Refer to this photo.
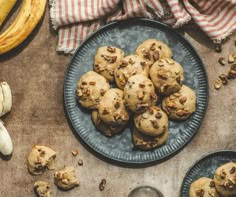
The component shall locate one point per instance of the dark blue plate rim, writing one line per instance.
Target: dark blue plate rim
(154, 22)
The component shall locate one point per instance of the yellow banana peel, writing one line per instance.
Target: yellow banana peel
(30, 14)
(5, 7)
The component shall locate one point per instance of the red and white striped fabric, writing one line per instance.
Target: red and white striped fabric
(76, 19)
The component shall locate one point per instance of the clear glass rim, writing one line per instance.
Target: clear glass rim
(145, 187)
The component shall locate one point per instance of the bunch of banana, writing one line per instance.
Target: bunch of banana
(5, 8)
(5, 98)
(30, 14)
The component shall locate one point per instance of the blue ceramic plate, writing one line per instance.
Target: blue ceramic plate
(205, 167)
(127, 35)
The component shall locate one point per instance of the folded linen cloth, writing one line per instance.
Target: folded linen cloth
(76, 19)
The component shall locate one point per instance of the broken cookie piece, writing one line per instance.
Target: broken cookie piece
(40, 158)
(66, 179)
(42, 189)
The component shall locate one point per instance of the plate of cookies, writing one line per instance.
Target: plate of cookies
(214, 175)
(136, 91)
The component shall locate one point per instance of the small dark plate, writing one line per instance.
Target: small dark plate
(127, 35)
(205, 167)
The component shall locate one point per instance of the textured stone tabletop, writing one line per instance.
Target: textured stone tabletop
(36, 77)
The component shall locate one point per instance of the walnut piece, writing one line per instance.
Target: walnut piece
(218, 84)
(102, 184)
(222, 61)
(75, 152)
(111, 49)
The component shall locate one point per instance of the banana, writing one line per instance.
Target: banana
(5, 98)
(5, 7)
(30, 14)
(6, 146)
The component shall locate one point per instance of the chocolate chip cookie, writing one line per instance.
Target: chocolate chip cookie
(203, 187)
(106, 129)
(129, 66)
(145, 142)
(106, 60)
(225, 179)
(152, 50)
(180, 105)
(139, 93)
(90, 89)
(152, 122)
(112, 110)
(167, 76)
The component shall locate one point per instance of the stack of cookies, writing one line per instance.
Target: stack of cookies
(141, 79)
(223, 184)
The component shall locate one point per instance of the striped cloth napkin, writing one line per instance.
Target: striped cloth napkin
(76, 19)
